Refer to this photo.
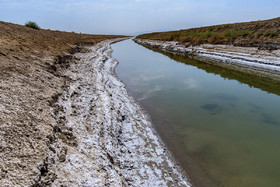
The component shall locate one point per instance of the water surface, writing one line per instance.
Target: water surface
(223, 126)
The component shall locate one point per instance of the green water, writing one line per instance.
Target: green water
(223, 126)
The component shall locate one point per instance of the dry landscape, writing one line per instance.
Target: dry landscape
(67, 120)
(30, 81)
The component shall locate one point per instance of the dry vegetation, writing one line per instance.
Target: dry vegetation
(15, 40)
(257, 33)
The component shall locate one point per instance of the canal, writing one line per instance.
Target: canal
(223, 126)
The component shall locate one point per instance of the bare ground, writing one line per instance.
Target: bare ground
(29, 84)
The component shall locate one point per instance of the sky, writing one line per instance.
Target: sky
(134, 16)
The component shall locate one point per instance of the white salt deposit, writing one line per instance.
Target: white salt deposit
(116, 144)
(251, 58)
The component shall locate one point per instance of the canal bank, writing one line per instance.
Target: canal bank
(113, 137)
(71, 122)
(245, 59)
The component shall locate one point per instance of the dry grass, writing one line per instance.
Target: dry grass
(241, 34)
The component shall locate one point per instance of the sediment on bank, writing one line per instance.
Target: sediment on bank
(113, 138)
(246, 59)
(30, 81)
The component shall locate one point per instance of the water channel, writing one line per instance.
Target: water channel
(222, 126)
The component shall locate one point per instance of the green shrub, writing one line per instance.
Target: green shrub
(231, 34)
(32, 25)
(271, 34)
(217, 38)
(207, 34)
(258, 34)
(245, 33)
(257, 24)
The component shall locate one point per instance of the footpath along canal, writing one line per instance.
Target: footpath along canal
(222, 126)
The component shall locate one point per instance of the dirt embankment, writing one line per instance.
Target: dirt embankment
(30, 65)
(66, 119)
(110, 140)
(250, 47)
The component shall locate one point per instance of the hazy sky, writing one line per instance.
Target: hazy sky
(133, 16)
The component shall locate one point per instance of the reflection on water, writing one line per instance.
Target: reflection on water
(222, 125)
(212, 108)
(225, 97)
(264, 83)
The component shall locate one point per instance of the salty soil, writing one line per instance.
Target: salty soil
(29, 63)
(247, 59)
(67, 120)
(109, 139)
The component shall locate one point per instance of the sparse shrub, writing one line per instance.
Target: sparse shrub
(206, 35)
(217, 38)
(258, 34)
(231, 34)
(271, 34)
(184, 39)
(32, 25)
(198, 40)
(245, 33)
(168, 38)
